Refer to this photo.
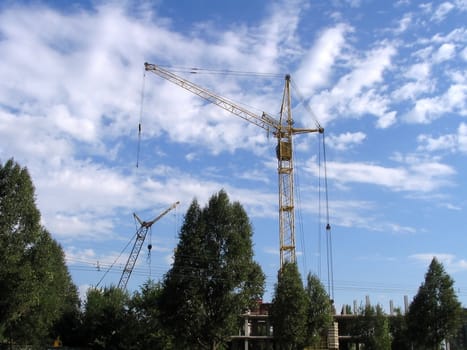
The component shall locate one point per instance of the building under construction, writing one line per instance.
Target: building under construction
(256, 333)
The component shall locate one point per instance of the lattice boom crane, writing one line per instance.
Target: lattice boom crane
(282, 129)
(140, 237)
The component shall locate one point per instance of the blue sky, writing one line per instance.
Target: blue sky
(386, 79)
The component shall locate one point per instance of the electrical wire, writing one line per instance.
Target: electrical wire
(118, 257)
(340, 285)
(357, 286)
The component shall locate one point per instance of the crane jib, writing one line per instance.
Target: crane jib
(264, 120)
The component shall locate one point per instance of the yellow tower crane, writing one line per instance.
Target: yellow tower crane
(282, 129)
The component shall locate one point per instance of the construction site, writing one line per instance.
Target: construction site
(299, 181)
(256, 330)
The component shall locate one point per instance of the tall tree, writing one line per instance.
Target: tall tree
(213, 278)
(398, 330)
(319, 315)
(289, 308)
(149, 333)
(107, 324)
(371, 328)
(434, 314)
(35, 287)
(19, 223)
(56, 294)
(381, 337)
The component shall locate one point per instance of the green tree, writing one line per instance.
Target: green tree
(319, 316)
(381, 337)
(213, 278)
(289, 307)
(35, 286)
(107, 324)
(434, 314)
(56, 295)
(148, 332)
(460, 341)
(372, 328)
(398, 330)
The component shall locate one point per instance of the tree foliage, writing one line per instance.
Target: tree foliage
(35, 286)
(107, 324)
(381, 338)
(149, 332)
(434, 313)
(213, 278)
(368, 328)
(319, 315)
(398, 330)
(289, 309)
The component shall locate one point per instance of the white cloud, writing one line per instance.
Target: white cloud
(412, 89)
(445, 52)
(354, 3)
(450, 142)
(461, 4)
(464, 54)
(404, 23)
(357, 92)
(79, 226)
(462, 137)
(419, 83)
(425, 110)
(419, 71)
(316, 67)
(442, 10)
(413, 176)
(457, 35)
(360, 214)
(368, 71)
(445, 142)
(346, 140)
(191, 156)
(431, 108)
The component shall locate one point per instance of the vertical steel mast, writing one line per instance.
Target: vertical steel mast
(286, 183)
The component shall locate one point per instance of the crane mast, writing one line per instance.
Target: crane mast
(140, 237)
(282, 129)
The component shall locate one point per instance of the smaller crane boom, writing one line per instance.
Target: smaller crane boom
(140, 237)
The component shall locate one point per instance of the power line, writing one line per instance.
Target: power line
(339, 285)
